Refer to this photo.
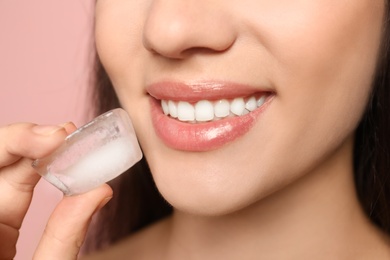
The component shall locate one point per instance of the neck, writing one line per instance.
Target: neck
(317, 216)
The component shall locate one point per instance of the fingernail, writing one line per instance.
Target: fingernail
(103, 203)
(69, 126)
(65, 124)
(46, 129)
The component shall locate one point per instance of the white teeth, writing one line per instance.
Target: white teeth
(185, 111)
(251, 104)
(172, 109)
(237, 106)
(205, 110)
(260, 101)
(164, 106)
(221, 108)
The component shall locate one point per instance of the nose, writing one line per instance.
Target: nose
(175, 28)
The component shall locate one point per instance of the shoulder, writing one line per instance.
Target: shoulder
(148, 243)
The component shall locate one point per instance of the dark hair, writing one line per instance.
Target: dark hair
(137, 202)
(372, 142)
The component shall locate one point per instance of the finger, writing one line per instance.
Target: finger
(70, 127)
(28, 140)
(67, 226)
(20, 175)
(17, 183)
(18, 179)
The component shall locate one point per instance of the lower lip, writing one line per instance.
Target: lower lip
(201, 137)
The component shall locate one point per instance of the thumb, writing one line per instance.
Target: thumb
(65, 231)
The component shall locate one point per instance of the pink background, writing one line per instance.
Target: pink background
(45, 56)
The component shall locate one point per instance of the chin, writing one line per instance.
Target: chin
(211, 188)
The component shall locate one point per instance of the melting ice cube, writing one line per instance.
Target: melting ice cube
(94, 154)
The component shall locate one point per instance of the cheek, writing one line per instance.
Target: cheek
(119, 46)
(118, 37)
(334, 47)
(328, 65)
(323, 58)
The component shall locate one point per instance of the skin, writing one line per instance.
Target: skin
(19, 144)
(295, 165)
(284, 190)
(319, 60)
(293, 170)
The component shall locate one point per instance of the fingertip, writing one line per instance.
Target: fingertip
(108, 194)
(95, 199)
(103, 203)
(107, 189)
(103, 190)
(28, 140)
(46, 142)
(70, 127)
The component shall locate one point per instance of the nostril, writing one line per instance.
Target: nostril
(203, 50)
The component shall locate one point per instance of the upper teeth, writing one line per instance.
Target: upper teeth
(204, 110)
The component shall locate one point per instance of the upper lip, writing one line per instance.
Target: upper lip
(195, 91)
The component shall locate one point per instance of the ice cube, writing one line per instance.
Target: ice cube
(94, 154)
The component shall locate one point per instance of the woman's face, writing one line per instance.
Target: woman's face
(303, 70)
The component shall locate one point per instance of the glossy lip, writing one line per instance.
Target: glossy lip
(205, 136)
(192, 92)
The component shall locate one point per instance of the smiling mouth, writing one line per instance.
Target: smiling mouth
(208, 111)
(205, 116)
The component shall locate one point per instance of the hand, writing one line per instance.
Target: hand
(66, 228)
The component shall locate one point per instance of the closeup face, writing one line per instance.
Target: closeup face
(256, 93)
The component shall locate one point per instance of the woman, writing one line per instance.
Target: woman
(256, 120)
